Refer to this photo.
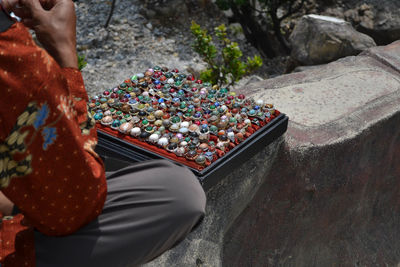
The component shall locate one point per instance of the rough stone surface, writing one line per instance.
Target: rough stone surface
(380, 19)
(328, 191)
(167, 9)
(321, 39)
(135, 40)
(304, 68)
(225, 202)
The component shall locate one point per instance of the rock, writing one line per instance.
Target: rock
(381, 22)
(321, 39)
(237, 30)
(379, 19)
(167, 10)
(83, 47)
(149, 26)
(325, 193)
(150, 13)
(252, 79)
(245, 81)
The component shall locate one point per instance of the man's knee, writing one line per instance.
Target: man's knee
(190, 199)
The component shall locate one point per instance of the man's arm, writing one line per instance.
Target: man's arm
(54, 23)
(6, 205)
(52, 174)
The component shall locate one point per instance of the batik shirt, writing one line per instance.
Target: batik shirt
(48, 168)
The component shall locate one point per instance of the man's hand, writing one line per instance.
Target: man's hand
(6, 206)
(54, 22)
(9, 5)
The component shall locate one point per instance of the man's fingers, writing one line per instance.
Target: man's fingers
(30, 23)
(9, 5)
(33, 6)
(48, 4)
(21, 12)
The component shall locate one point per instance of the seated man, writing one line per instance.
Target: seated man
(58, 207)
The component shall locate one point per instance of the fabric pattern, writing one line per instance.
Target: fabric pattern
(48, 167)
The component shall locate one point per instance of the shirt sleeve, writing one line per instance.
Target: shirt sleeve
(48, 167)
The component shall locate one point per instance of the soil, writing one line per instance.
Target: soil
(136, 40)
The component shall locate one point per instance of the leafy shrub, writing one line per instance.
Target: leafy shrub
(81, 62)
(224, 67)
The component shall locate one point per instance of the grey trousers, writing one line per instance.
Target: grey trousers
(150, 207)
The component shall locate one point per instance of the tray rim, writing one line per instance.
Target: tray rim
(209, 169)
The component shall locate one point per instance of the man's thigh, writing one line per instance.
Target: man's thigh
(150, 207)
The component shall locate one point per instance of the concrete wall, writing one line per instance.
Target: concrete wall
(327, 193)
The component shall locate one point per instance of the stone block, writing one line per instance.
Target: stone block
(328, 191)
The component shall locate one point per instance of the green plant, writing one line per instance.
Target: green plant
(224, 67)
(81, 61)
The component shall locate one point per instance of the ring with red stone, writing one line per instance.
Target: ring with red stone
(239, 136)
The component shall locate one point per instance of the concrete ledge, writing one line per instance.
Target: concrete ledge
(328, 192)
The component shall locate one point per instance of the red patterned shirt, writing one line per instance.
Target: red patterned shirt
(48, 168)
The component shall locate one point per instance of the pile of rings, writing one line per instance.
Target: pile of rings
(181, 114)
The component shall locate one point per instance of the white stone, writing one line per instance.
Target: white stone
(154, 138)
(163, 141)
(327, 18)
(183, 130)
(183, 143)
(185, 124)
(135, 131)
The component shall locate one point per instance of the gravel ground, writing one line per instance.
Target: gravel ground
(142, 34)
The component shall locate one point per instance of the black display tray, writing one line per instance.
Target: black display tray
(110, 146)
